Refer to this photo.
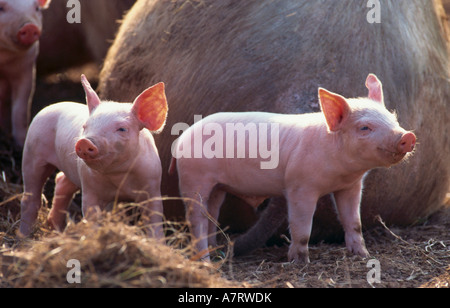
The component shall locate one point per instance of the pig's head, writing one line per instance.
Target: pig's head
(20, 23)
(111, 135)
(368, 133)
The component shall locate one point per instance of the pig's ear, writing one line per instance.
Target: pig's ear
(150, 107)
(375, 89)
(44, 3)
(334, 107)
(92, 98)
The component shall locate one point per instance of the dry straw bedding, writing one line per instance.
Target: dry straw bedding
(114, 253)
(111, 254)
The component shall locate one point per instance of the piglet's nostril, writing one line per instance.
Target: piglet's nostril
(407, 143)
(86, 149)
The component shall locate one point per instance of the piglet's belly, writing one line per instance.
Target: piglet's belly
(252, 191)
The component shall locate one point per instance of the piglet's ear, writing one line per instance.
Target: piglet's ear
(375, 89)
(334, 107)
(44, 3)
(92, 98)
(150, 107)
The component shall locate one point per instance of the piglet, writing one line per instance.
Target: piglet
(311, 155)
(21, 26)
(102, 149)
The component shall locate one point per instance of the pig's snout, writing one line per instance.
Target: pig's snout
(86, 149)
(28, 34)
(406, 143)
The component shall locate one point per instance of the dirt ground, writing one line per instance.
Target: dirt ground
(114, 254)
(411, 257)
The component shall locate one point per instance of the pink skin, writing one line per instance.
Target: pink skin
(20, 30)
(102, 149)
(86, 150)
(28, 35)
(319, 153)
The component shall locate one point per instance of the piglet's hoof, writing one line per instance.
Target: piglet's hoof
(298, 255)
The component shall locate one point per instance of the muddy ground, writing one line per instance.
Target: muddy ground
(114, 254)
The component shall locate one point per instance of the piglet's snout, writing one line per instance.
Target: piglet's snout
(28, 34)
(86, 149)
(406, 143)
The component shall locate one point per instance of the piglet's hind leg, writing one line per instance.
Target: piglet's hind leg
(34, 178)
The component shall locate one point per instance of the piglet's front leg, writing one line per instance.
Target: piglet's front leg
(22, 91)
(348, 205)
(152, 214)
(91, 205)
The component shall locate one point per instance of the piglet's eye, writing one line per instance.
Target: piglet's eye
(122, 129)
(365, 128)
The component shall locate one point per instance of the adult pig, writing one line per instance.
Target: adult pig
(21, 26)
(273, 55)
(312, 155)
(101, 148)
